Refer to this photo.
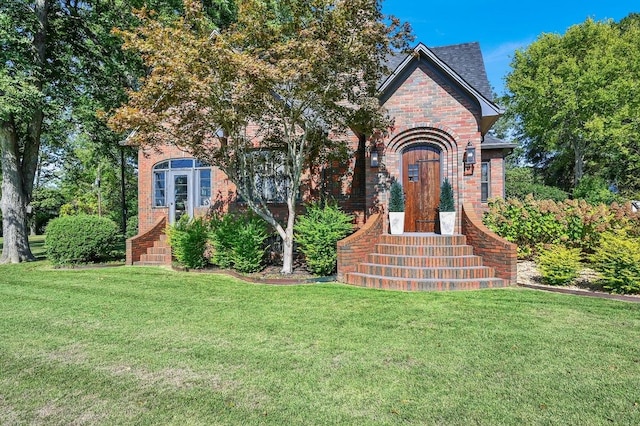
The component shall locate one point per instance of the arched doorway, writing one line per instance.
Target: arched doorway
(421, 169)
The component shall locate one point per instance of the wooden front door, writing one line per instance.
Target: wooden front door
(421, 183)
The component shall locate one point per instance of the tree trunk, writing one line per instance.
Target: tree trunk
(20, 158)
(287, 241)
(14, 202)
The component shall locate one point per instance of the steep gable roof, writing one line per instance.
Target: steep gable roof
(466, 59)
(463, 64)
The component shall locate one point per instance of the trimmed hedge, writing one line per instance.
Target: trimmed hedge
(572, 223)
(559, 265)
(238, 241)
(188, 241)
(81, 239)
(618, 262)
(317, 233)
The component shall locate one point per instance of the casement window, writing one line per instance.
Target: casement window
(485, 181)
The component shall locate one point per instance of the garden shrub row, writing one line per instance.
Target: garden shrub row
(238, 240)
(572, 223)
(558, 235)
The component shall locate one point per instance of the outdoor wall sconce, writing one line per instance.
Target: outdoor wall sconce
(374, 157)
(469, 159)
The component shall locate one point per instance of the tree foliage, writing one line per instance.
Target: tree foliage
(578, 101)
(281, 79)
(59, 64)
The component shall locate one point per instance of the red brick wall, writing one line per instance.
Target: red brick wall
(496, 180)
(353, 249)
(496, 252)
(428, 109)
(138, 245)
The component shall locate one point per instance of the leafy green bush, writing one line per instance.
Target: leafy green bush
(594, 190)
(317, 233)
(521, 182)
(617, 259)
(559, 265)
(572, 223)
(238, 241)
(396, 199)
(80, 239)
(188, 241)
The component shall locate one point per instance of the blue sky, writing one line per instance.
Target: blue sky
(500, 26)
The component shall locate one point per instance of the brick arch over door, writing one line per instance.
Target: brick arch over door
(433, 155)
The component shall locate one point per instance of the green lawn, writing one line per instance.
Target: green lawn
(133, 345)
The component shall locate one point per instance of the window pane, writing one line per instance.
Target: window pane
(485, 172)
(485, 181)
(205, 187)
(484, 192)
(159, 189)
(414, 174)
(162, 166)
(182, 163)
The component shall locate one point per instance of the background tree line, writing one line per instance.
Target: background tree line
(573, 104)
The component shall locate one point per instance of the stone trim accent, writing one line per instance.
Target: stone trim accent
(496, 252)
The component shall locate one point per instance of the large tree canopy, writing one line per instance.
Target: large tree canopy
(577, 99)
(275, 83)
(59, 63)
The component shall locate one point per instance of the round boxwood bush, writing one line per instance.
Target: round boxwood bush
(80, 239)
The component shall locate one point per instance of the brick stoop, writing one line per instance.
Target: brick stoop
(158, 254)
(423, 262)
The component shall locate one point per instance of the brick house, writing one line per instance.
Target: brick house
(441, 101)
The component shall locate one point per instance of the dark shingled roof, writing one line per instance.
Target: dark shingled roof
(492, 142)
(465, 59)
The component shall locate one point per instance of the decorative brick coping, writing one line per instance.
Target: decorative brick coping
(496, 252)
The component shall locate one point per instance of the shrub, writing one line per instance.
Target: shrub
(396, 199)
(521, 182)
(594, 190)
(317, 233)
(188, 241)
(559, 265)
(238, 241)
(572, 223)
(80, 239)
(617, 259)
(446, 197)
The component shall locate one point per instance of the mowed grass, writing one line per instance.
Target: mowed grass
(134, 345)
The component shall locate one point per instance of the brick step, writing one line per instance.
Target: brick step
(159, 250)
(423, 239)
(424, 261)
(413, 250)
(407, 284)
(155, 258)
(439, 273)
(141, 263)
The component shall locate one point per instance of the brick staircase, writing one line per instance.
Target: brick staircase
(423, 262)
(158, 254)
